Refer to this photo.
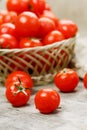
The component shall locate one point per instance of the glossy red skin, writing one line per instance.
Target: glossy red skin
(10, 16)
(51, 15)
(18, 6)
(19, 99)
(2, 14)
(66, 80)
(8, 41)
(53, 36)
(46, 25)
(67, 27)
(85, 80)
(37, 6)
(23, 76)
(8, 28)
(29, 42)
(27, 24)
(47, 100)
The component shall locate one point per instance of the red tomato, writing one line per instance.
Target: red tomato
(17, 6)
(2, 14)
(46, 26)
(37, 6)
(27, 24)
(8, 41)
(53, 36)
(10, 17)
(8, 28)
(47, 7)
(67, 27)
(66, 80)
(23, 76)
(51, 15)
(85, 80)
(29, 42)
(17, 94)
(47, 100)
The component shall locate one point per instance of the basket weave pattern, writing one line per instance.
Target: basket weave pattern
(40, 62)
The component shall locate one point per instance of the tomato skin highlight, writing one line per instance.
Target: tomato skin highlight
(67, 27)
(47, 100)
(8, 41)
(27, 24)
(17, 6)
(66, 80)
(52, 37)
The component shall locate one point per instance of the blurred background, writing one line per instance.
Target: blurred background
(75, 10)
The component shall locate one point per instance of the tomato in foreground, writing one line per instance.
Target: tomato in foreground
(19, 75)
(66, 80)
(17, 94)
(85, 80)
(47, 100)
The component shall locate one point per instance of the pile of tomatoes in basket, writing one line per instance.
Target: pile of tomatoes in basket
(31, 23)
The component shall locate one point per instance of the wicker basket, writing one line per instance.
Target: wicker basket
(41, 63)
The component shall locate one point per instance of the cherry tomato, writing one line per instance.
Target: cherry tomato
(23, 76)
(17, 6)
(47, 100)
(8, 28)
(27, 24)
(17, 94)
(53, 36)
(47, 7)
(46, 26)
(51, 15)
(8, 41)
(37, 6)
(85, 80)
(29, 42)
(67, 27)
(2, 14)
(10, 17)
(66, 80)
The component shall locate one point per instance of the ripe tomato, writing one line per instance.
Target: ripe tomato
(10, 17)
(23, 76)
(29, 42)
(27, 24)
(46, 26)
(8, 28)
(47, 100)
(85, 80)
(66, 80)
(47, 7)
(8, 41)
(17, 6)
(51, 15)
(53, 36)
(2, 14)
(67, 27)
(17, 94)
(37, 6)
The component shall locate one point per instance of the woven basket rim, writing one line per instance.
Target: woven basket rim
(46, 47)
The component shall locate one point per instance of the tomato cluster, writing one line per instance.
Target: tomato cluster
(33, 20)
(34, 24)
(19, 85)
